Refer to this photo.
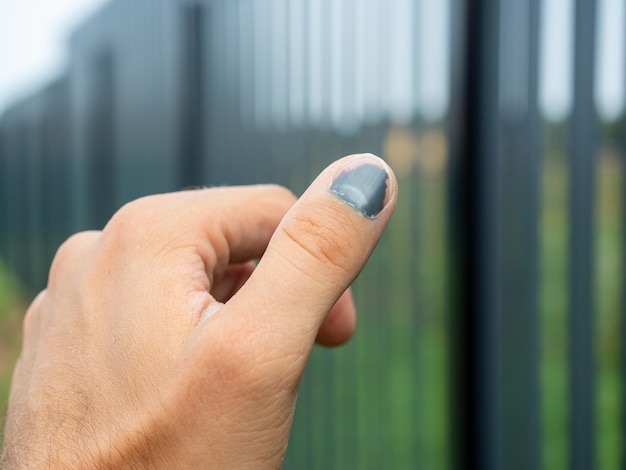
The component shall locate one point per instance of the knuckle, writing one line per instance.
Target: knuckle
(131, 214)
(234, 370)
(241, 367)
(275, 199)
(33, 317)
(328, 237)
(133, 222)
(68, 252)
(281, 193)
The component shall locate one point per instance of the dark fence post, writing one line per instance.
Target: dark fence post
(101, 140)
(473, 224)
(582, 151)
(417, 432)
(216, 99)
(192, 119)
(57, 184)
(519, 180)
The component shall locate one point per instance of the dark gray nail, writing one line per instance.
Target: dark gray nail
(363, 188)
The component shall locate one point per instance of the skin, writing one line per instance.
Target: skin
(159, 343)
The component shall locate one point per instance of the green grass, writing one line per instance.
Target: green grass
(608, 253)
(554, 266)
(553, 315)
(11, 314)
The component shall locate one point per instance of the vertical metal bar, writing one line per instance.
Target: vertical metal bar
(365, 340)
(293, 28)
(345, 360)
(210, 115)
(583, 141)
(382, 273)
(50, 113)
(216, 71)
(245, 64)
(58, 180)
(473, 236)
(28, 157)
(382, 324)
(534, 138)
(36, 185)
(519, 235)
(101, 140)
(20, 260)
(242, 162)
(326, 366)
(218, 93)
(304, 165)
(246, 161)
(416, 430)
(280, 92)
(29, 160)
(231, 106)
(262, 83)
(192, 123)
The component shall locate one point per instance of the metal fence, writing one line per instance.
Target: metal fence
(460, 360)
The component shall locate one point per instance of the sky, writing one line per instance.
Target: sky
(611, 55)
(33, 50)
(32, 42)
(556, 58)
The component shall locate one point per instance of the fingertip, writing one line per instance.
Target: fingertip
(364, 182)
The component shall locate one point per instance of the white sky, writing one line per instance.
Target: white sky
(32, 42)
(33, 50)
(611, 40)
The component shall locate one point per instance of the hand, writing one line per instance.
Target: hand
(159, 344)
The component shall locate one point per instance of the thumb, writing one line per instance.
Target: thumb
(316, 252)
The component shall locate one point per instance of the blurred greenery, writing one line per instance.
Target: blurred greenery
(554, 277)
(411, 373)
(608, 252)
(401, 358)
(11, 314)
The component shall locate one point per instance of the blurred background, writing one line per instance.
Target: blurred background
(491, 329)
